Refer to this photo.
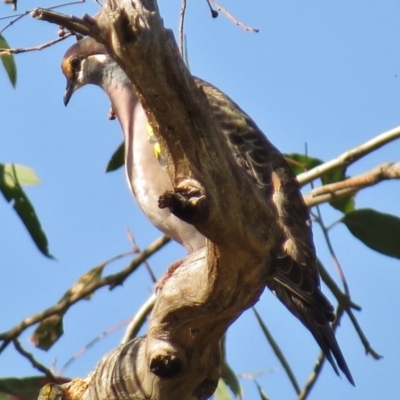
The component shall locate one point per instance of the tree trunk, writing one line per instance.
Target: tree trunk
(179, 358)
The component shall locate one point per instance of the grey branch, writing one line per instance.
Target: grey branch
(338, 190)
(65, 304)
(350, 156)
(34, 48)
(139, 319)
(180, 356)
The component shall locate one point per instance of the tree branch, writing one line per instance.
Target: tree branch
(34, 48)
(350, 156)
(36, 364)
(335, 260)
(232, 18)
(182, 26)
(338, 190)
(64, 305)
(180, 358)
(138, 320)
(84, 26)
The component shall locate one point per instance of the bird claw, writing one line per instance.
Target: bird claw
(111, 114)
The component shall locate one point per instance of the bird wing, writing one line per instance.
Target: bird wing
(294, 278)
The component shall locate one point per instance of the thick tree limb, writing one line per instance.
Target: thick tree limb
(180, 356)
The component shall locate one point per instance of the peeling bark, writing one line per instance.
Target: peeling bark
(179, 358)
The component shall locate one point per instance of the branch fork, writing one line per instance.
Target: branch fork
(180, 355)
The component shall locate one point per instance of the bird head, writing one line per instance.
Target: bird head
(84, 63)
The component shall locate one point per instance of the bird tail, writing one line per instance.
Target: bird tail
(316, 321)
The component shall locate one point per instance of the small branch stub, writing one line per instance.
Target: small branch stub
(188, 201)
(166, 360)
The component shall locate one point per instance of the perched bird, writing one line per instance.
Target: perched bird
(86, 62)
(295, 278)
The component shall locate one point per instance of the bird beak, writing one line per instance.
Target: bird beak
(69, 91)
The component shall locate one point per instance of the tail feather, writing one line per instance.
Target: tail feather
(311, 317)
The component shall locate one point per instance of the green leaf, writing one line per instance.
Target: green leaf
(8, 62)
(345, 204)
(222, 392)
(301, 162)
(85, 280)
(263, 395)
(379, 231)
(232, 381)
(20, 173)
(334, 175)
(277, 350)
(51, 328)
(12, 191)
(117, 160)
(24, 388)
(48, 332)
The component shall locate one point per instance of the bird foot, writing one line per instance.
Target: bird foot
(111, 114)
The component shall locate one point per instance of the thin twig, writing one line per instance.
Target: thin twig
(337, 190)
(137, 250)
(232, 18)
(350, 156)
(347, 305)
(138, 319)
(363, 338)
(62, 306)
(328, 197)
(35, 364)
(312, 377)
(339, 269)
(181, 25)
(19, 16)
(372, 177)
(82, 351)
(14, 16)
(35, 48)
(343, 300)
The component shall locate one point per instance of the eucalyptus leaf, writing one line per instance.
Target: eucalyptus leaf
(8, 62)
(12, 191)
(302, 162)
(379, 231)
(117, 159)
(14, 174)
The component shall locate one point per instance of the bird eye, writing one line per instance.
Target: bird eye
(75, 64)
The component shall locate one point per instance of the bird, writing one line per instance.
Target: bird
(294, 278)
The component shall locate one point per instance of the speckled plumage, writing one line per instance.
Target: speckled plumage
(295, 278)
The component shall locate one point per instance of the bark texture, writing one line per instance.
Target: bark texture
(179, 358)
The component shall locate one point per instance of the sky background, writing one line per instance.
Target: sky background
(321, 73)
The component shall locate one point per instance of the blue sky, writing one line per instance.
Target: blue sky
(322, 73)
